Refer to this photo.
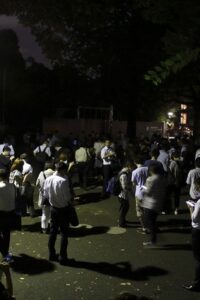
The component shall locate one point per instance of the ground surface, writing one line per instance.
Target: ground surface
(109, 260)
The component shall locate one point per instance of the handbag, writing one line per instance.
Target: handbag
(72, 215)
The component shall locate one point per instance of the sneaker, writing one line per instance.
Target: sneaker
(8, 258)
(176, 212)
(148, 244)
(142, 230)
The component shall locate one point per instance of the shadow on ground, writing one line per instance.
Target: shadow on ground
(84, 231)
(173, 247)
(26, 264)
(121, 270)
(34, 227)
(88, 198)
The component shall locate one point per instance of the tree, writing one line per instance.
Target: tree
(105, 45)
(179, 68)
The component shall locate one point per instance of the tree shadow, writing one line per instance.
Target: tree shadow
(185, 247)
(25, 264)
(121, 270)
(84, 231)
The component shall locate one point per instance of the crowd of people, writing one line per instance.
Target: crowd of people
(152, 172)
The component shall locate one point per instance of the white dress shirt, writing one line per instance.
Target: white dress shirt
(57, 190)
(104, 151)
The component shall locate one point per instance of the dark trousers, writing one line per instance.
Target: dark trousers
(5, 228)
(123, 210)
(59, 219)
(83, 168)
(150, 217)
(4, 241)
(107, 174)
(196, 253)
(174, 195)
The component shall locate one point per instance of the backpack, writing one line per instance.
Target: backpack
(114, 185)
(41, 156)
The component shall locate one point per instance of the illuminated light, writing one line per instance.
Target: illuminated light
(183, 106)
(170, 114)
(183, 120)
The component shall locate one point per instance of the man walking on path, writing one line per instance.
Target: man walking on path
(57, 190)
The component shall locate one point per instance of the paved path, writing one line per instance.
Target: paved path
(109, 259)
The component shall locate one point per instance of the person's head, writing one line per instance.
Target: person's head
(17, 165)
(155, 153)
(175, 155)
(139, 160)
(24, 156)
(63, 156)
(48, 165)
(130, 165)
(61, 167)
(154, 170)
(197, 162)
(108, 143)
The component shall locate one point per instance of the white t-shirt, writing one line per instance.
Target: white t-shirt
(194, 173)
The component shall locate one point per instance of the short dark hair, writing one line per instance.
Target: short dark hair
(61, 166)
(155, 152)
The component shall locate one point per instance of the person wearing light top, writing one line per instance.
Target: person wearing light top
(82, 157)
(7, 207)
(45, 218)
(124, 195)
(195, 218)
(153, 201)
(107, 155)
(139, 176)
(27, 168)
(164, 158)
(192, 175)
(57, 190)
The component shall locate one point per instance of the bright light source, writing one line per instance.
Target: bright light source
(170, 114)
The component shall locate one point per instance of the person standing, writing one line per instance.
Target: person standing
(82, 157)
(139, 176)
(107, 155)
(7, 208)
(191, 177)
(45, 218)
(57, 190)
(153, 200)
(195, 218)
(125, 183)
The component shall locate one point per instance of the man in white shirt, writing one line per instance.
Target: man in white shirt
(57, 190)
(107, 155)
(82, 157)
